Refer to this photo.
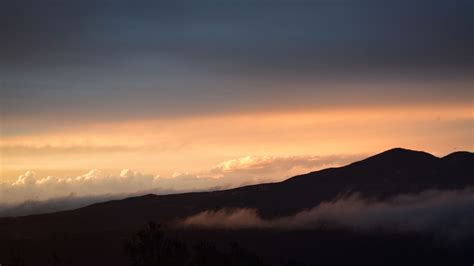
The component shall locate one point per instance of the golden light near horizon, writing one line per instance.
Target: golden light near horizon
(196, 143)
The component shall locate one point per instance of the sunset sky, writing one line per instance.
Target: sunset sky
(200, 94)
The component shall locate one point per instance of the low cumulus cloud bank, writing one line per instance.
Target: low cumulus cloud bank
(272, 167)
(449, 213)
(33, 191)
(30, 187)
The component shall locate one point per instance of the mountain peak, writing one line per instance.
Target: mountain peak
(402, 152)
(459, 157)
(458, 154)
(398, 157)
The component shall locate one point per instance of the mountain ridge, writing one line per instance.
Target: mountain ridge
(380, 176)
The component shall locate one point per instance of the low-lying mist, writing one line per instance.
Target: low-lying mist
(448, 213)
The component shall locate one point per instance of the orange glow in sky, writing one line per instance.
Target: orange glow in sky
(198, 143)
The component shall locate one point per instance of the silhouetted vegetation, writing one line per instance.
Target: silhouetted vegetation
(151, 247)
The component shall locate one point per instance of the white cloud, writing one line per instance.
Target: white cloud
(232, 173)
(274, 168)
(27, 179)
(95, 182)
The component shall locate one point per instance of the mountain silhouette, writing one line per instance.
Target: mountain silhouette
(381, 176)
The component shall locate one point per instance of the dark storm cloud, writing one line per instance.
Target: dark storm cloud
(94, 55)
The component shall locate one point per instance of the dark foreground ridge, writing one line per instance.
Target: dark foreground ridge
(385, 175)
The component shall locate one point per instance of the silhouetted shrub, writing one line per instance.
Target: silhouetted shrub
(150, 247)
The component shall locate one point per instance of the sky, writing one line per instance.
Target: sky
(120, 96)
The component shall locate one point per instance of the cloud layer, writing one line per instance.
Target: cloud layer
(96, 184)
(163, 57)
(447, 213)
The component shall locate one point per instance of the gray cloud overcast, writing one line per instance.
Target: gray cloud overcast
(128, 57)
